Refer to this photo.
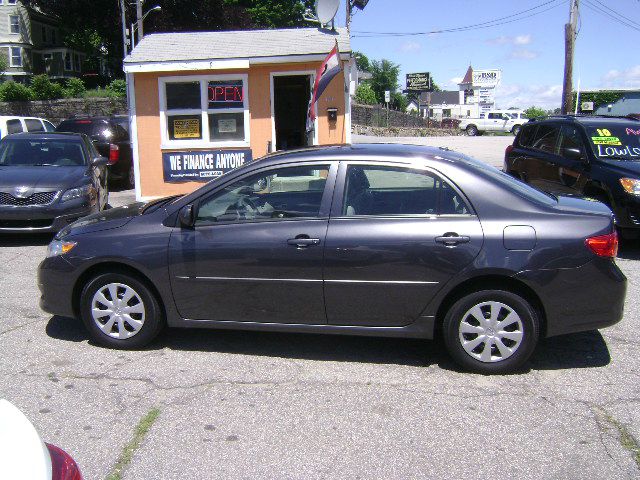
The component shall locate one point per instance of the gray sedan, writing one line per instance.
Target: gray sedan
(384, 240)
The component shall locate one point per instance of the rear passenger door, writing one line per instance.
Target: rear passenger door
(395, 236)
(540, 160)
(572, 172)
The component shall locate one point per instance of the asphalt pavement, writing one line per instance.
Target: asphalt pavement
(292, 406)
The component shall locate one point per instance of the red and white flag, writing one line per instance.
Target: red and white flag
(330, 67)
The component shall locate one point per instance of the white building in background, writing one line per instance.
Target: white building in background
(475, 95)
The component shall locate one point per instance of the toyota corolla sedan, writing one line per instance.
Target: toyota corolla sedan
(386, 240)
(49, 180)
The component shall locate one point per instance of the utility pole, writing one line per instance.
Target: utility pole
(139, 17)
(124, 28)
(569, 44)
(348, 22)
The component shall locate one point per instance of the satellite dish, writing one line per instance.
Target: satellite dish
(326, 10)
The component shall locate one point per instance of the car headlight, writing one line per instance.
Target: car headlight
(78, 192)
(60, 247)
(631, 185)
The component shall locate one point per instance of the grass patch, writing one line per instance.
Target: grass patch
(627, 440)
(143, 427)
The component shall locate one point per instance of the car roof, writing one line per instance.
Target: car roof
(47, 135)
(590, 120)
(371, 152)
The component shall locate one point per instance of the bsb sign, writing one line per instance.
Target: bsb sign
(486, 78)
(202, 166)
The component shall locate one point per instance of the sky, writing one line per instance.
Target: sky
(529, 51)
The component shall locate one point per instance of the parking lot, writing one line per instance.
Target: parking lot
(224, 404)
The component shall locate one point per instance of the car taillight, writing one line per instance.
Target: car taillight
(508, 150)
(603, 245)
(63, 467)
(114, 153)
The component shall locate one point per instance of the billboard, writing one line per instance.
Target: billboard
(486, 78)
(419, 82)
(202, 166)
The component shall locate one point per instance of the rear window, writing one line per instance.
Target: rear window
(526, 135)
(76, 126)
(617, 142)
(546, 138)
(14, 126)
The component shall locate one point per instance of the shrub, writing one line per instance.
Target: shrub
(75, 88)
(11, 91)
(365, 94)
(117, 88)
(45, 89)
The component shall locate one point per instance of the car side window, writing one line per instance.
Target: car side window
(48, 126)
(526, 135)
(546, 138)
(494, 116)
(380, 190)
(285, 193)
(570, 138)
(14, 126)
(33, 125)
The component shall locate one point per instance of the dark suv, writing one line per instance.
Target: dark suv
(595, 156)
(111, 140)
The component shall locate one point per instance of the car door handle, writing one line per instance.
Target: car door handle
(452, 239)
(303, 242)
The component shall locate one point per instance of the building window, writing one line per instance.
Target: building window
(204, 111)
(53, 35)
(68, 64)
(16, 56)
(12, 2)
(44, 34)
(78, 63)
(14, 23)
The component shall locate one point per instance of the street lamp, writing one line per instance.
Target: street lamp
(157, 8)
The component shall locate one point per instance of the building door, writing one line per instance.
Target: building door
(291, 95)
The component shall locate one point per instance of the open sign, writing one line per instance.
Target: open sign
(229, 94)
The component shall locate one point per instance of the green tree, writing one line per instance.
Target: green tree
(384, 76)
(117, 88)
(365, 94)
(399, 101)
(12, 91)
(362, 62)
(535, 112)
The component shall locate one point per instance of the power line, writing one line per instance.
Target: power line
(476, 26)
(618, 14)
(597, 9)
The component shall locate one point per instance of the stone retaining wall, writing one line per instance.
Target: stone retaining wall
(57, 110)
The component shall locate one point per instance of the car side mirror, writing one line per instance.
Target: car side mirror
(186, 217)
(99, 161)
(573, 153)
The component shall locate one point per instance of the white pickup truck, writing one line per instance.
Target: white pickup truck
(494, 121)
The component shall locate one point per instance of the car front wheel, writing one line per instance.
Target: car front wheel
(120, 311)
(491, 331)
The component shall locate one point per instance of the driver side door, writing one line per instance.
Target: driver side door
(255, 253)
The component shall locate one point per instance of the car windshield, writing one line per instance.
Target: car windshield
(30, 152)
(617, 142)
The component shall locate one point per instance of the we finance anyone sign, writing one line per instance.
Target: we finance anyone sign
(202, 166)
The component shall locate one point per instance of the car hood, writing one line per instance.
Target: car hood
(105, 220)
(623, 167)
(40, 178)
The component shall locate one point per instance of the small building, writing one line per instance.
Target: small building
(31, 44)
(628, 102)
(202, 103)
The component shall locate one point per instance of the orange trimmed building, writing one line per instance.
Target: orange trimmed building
(203, 103)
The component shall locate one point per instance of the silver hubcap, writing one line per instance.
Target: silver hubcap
(491, 331)
(117, 310)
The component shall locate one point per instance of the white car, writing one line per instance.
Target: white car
(494, 121)
(12, 124)
(23, 454)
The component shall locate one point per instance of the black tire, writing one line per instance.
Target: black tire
(472, 130)
(529, 327)
(516, 129)
(152, 322)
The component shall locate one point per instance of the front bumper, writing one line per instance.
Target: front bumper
(579, 299)
(56, 278)
(45, 219)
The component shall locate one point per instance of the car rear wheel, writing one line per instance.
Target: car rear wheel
(491, 331)
(472, 130)
(120, 311)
